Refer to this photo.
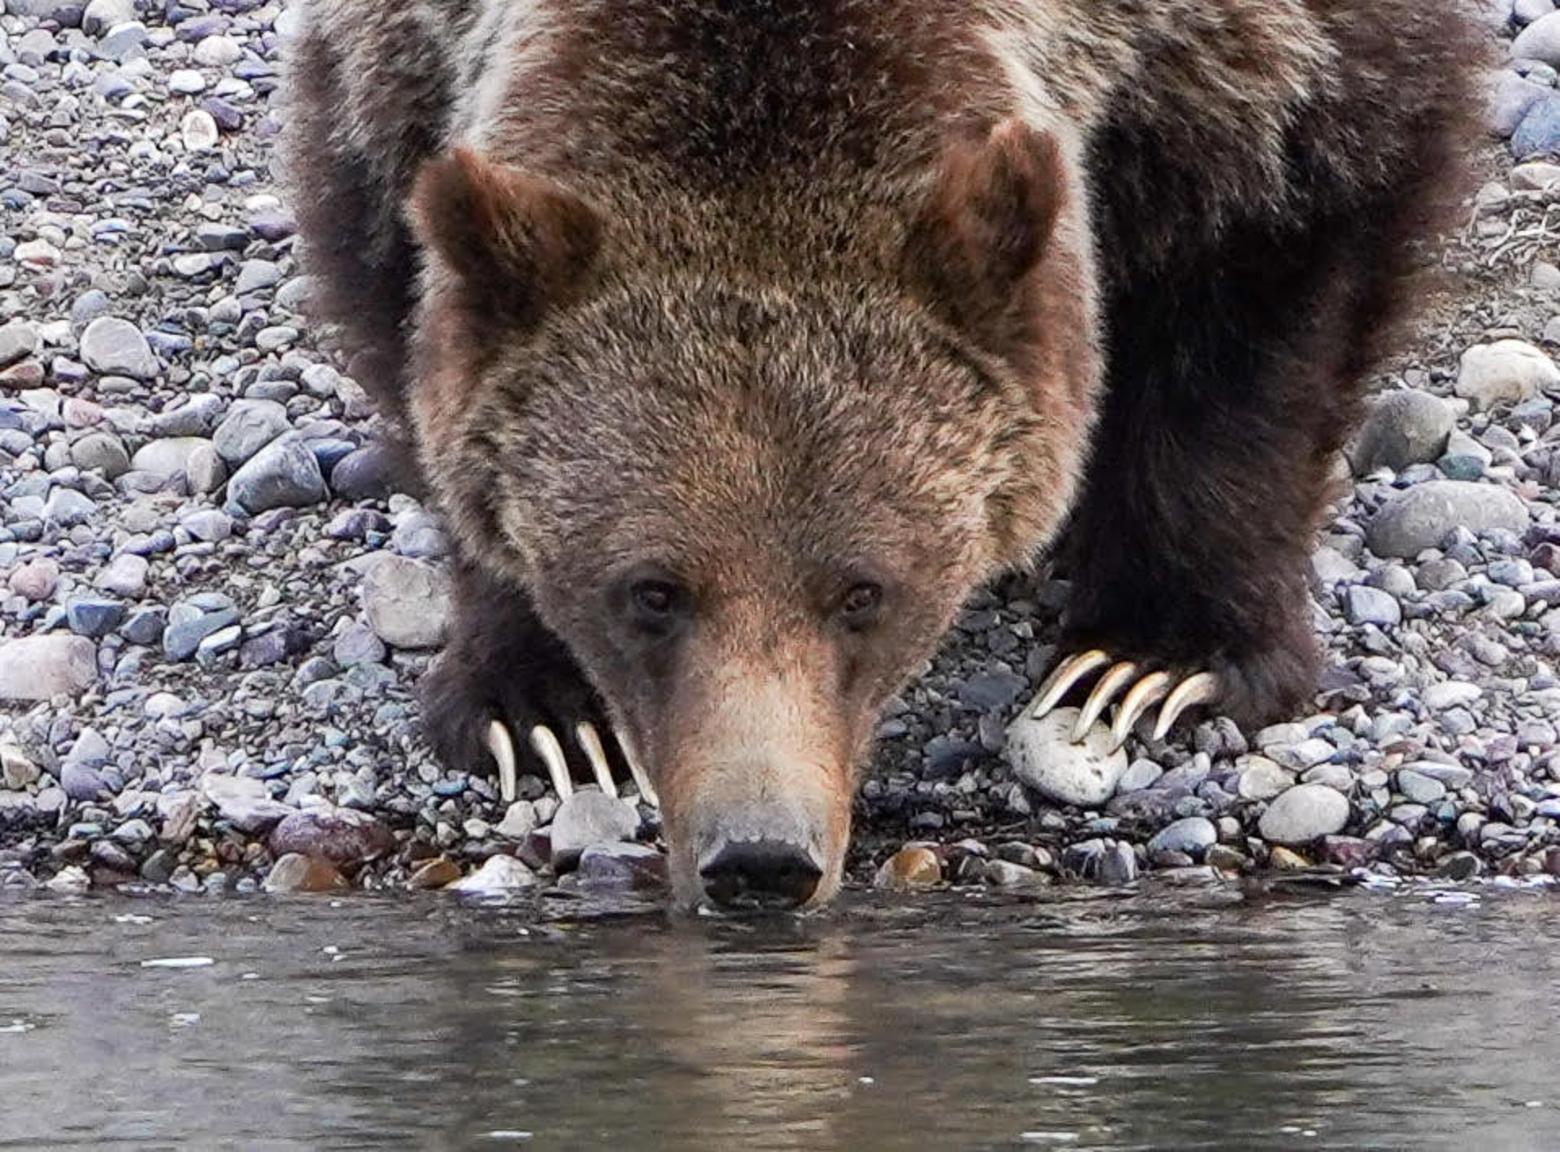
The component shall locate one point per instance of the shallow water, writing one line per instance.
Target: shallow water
(1156, 1020)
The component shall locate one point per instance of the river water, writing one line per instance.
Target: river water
(1156, 1020)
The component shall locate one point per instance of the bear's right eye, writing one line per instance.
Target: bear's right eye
(655, 602)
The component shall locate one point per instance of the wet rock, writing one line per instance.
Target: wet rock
(38, 667)
(436, 873)
(407, 602)
(295, 872)
(1043, 756)
(1403, 428)
(1303, 814)
(1005, 874)
(115, 347)
(913, 866)
(588, 818)
(1421, 517)
(343, 836)
(622, 867)
(283, 474)
(498, 874)
(1505, 372)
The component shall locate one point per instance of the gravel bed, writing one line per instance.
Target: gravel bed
(213, 610)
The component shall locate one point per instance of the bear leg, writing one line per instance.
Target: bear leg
(1233, 380)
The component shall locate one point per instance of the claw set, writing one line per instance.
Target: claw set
(1139, 691)
(549, 750)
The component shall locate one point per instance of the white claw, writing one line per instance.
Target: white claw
(1067, 673)
(1202, 688)
(502, 746)
(1117, 678)
(546, 745)
(590, 741)
(1144, 695)
(637, 771)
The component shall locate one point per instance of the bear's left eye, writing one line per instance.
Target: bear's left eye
(861, 604)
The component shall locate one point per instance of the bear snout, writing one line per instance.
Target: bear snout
(759, 875)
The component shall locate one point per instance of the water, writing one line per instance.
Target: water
(1160, 1020)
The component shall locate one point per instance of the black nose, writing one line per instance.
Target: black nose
(760, 874)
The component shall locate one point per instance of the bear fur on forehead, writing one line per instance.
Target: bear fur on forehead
(788, 324)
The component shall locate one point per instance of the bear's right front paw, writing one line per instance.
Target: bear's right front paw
(1140, 687)
(471, 718)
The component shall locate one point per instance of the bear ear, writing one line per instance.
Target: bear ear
(986, 227)
(514, 243)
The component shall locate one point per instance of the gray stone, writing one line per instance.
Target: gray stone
(1261, 778)
(283, 474)
(1540, 41)
(407, 602)
(167, 458)
(1538, 135)
(125, 576)
(115, 347)
(205, 470)
(1420, 517)
(1044, 757)
(1419, 788)
(184, 633)
(1193, 836)
(18, 340)
(40, 667)
(248, 427)
(1365, 605)
(1305, 813)
(1505, 372)
(195, 417)
(93, 616)
(244, 802)
(103, 452)
(1510, 99)
(1402, 428)
(519, 821)
(363, 475)
(588, 818)
(102, 15)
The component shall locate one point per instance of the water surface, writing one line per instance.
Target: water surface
(1157, 1020)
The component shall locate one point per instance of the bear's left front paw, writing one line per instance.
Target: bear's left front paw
(1142, 685)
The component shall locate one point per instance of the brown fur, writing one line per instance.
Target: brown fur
(766, 301)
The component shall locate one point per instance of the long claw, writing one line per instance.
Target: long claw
(1067, 673)
(1144, 695)
(1117, 678)
(502, 746)
(1202, 688)
(637, 771)
(546, 745)
(590, 741)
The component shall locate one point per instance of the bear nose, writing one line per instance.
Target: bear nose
(768, 875)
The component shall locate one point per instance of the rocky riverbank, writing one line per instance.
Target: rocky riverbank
(213, 610)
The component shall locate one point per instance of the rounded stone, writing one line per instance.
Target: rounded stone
(167, 458)
(407, 602)
(1402, 428)
(1044, 757)
(1193, 836)
(103, 452)
(342, 836)
(1505, 372)
(248, 427)
(283, 474)
(1305, 813)
(115, 347)
(1420, 517)
(39, 667)
(586, 819)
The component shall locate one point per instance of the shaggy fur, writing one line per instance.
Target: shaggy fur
(764, 301)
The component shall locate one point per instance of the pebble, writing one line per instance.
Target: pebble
(1505, 372)
(407, 602)
(1043, 756)
(283, 474)
(1191, 836)
(115, 347)
(39, 667)
(1420, 517)
(298, 873)
(913, 866)
(497, 874)
(1303, 814)
(248, 427)
(343, 836)
(588, 818)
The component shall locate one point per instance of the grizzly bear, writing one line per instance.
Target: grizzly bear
(740, 340)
